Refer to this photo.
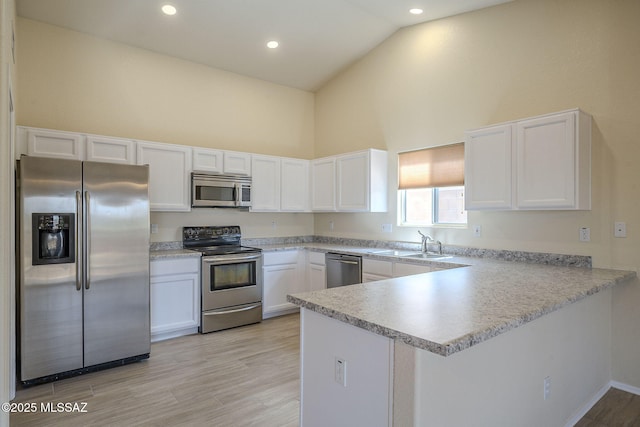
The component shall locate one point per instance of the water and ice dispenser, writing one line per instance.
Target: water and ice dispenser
(53, 238)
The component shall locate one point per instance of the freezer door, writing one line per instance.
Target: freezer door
(50, 298)
(116, 294)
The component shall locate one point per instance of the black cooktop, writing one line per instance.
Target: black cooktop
(215, 240)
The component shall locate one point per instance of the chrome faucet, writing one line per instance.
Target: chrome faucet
(425, 243)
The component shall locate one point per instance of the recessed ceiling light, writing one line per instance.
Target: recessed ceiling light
(168, 9)
(272, 44)
(416, 11)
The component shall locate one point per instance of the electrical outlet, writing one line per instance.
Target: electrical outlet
(331, 225)
(620, 229)
(477, 231)
(341, 372)
(274, 225)
(154, 228)
(386, 228)
(546, 388)
(585, 234)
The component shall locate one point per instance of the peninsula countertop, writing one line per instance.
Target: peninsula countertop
(447, 311)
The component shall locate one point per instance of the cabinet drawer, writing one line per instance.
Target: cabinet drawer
(163, 267)
(281, 257)
(377, 267)
(316, 258)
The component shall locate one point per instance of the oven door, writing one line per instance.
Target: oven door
(230, 280)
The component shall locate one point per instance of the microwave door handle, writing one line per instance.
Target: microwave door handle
(237, 194)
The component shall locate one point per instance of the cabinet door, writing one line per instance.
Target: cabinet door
(317, 277)
(169, 179)
(488, 172)
(110, 150)
(401, 269)
(546, 162)
(323, 184)
(279, 280)
(59, 145)
(370, 277)
(353, 188)
(175, 303)
(207, 160)
(294, 196)
(265, 186)
(237, 163)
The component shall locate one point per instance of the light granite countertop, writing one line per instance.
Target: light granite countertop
(447, 311)
(473, 299)
(172, 253)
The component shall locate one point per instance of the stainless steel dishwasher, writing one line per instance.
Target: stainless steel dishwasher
(343, 269)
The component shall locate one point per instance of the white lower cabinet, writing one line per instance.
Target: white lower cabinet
(374, 270)
(316, 271)
(281, 276)
(401, 269)
(175, 297)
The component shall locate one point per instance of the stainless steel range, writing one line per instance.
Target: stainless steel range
(231, 277)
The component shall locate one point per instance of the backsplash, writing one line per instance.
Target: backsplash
(520, 256)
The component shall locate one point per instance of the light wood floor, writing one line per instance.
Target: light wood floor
(617, 408)
(246, 376)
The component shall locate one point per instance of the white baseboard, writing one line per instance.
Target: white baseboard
(587, 406)
(625, 387)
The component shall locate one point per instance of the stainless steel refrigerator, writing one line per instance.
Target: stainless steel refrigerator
(83, 266)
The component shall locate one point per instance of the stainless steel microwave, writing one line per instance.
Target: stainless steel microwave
(220, 191)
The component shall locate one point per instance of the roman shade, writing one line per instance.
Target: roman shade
(431, 167)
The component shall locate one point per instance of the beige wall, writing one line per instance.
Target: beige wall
(7, 261)
(428, 83)
(73, 81)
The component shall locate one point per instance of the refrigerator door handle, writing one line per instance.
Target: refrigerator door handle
(78, 249)
(87, 240)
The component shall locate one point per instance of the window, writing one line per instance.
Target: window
(431, 186)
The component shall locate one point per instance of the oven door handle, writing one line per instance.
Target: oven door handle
(215, 260)
(237, 310)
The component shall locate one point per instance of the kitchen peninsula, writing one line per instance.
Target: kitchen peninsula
(491, 343)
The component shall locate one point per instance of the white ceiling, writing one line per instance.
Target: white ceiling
(318, 38)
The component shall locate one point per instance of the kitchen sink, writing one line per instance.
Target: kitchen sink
(422, 255)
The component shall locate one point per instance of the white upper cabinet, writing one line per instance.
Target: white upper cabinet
(110, 150)
(294, 189)
(538, 163)
(265, 183)
(169, 175)
(362, 181)
(208, 160)
(56, 144)
(554, 161)
(76, 146)
(237, 163)
(279, 184)
(323, 184)
(220, 161)
(488, 159)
